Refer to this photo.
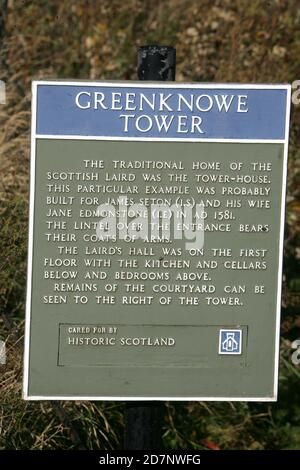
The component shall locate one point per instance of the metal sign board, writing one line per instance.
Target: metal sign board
(155, 242)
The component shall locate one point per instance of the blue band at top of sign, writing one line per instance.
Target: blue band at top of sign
(175, 112)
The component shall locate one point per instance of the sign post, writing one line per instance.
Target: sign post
(143, 420)
(155, 244)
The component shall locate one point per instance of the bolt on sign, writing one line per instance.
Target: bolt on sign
(155, 245)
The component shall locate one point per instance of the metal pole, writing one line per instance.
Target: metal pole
(143, 425)
(143, 420)
(156, 63)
